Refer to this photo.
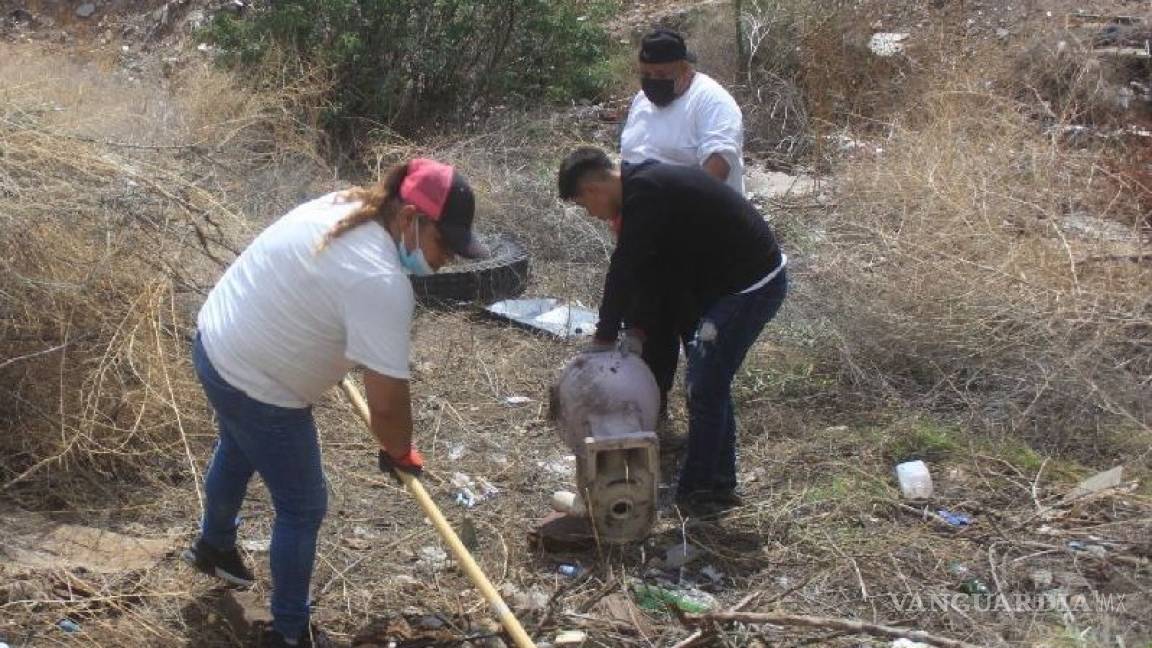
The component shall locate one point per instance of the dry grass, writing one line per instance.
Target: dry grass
(952, 277)
(968, 270)
(116, 217)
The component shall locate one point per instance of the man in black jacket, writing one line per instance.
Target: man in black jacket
(684, 237)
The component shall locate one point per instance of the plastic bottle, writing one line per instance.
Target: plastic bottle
(915, 480)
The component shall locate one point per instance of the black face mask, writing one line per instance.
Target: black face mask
(660, 92)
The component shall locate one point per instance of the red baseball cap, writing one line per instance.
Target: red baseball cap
(439, 191)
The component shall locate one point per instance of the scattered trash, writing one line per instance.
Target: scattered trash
(1096, 483)
(257, 545)
(570, 638)
(517, 400)
(915, 480)
(471, 492)
(969, 583)
(887, 43)
(1095, 550)
(456, 451)
(568, 502)
(68, 625)
(548, 314)
(534, 599)
(432, 558)
(958, 520)
(364, 532)
(568, 569)
(562, 467)
(86, 10)
(1041, 579)
(712, 574)
(679, 555)
(3, 645)
(907, 643)
(657, 599)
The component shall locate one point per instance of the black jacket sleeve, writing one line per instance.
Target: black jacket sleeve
(632, 281)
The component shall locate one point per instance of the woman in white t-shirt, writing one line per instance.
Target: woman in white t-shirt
(320, 291)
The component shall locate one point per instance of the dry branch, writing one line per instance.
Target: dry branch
(846, 625)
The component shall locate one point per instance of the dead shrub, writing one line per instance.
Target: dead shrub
(959, 277)
(804, 68)
(109, 246)
(1068, 83)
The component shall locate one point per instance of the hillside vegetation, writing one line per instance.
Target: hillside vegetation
(971, 273)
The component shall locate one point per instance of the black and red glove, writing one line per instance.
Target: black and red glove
(411, 462)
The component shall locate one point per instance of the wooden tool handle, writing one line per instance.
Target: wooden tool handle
(459, 551)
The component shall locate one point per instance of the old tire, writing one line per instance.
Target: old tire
(503, 275)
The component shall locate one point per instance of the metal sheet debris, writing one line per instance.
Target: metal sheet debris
(547, 314)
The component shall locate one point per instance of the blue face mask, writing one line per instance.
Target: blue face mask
(414, 262)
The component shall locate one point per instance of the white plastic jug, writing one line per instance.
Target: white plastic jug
(915, 480)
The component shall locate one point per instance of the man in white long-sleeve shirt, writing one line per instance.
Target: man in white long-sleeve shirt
(683, 117)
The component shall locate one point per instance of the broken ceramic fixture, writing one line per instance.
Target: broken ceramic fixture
(606, 406)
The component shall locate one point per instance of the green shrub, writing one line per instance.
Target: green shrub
(404, 63)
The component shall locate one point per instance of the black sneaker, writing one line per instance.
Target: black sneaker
(226, 565)
(708, 503)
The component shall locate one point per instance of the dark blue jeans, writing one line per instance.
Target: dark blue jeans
(718, 347)
(279, 443)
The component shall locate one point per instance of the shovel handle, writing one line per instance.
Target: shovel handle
(459, 551)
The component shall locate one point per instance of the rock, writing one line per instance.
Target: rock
(40, 543)
(775, 184)
(622, 610)
(86, 10)
(1096, 483)
(244, 612)
(559, 532)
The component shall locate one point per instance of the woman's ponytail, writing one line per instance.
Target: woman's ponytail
(379, 202)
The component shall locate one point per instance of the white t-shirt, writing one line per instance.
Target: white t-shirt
(702, 121)
(285, 322)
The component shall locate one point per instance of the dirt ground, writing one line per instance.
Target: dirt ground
(824, 531)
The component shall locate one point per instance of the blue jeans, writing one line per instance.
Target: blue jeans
(279, 443)
(721, 341)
